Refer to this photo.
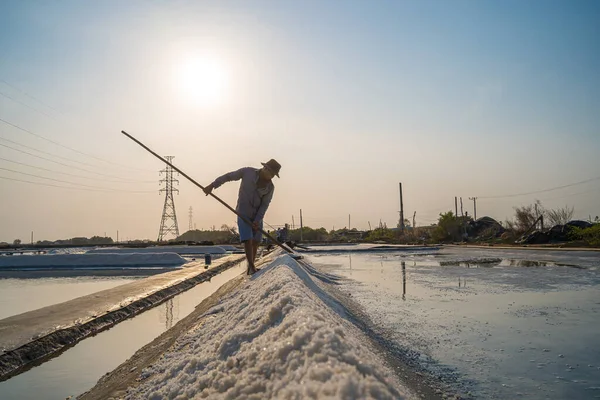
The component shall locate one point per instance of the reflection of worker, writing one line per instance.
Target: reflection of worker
(256, 192)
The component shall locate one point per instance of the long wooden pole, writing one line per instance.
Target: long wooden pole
(246, 220)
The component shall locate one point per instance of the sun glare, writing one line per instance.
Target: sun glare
(202, 81)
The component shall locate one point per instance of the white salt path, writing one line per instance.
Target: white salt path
(273, 338)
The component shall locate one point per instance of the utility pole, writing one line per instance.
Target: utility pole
(348, 221)
(401, 210)
(32, 237)
(461, 208)
(301, 226)
(474, 207)
(168, 222)
(191, 215)
(455, 206)
(117, 236)
(293, 226)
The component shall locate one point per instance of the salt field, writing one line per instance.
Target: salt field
(490, 323)
(21, 295)
(78, 368)
(479, 323)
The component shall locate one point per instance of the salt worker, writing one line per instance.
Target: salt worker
(255, 195)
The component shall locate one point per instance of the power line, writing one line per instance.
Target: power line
(43, 138)
(572, 194)
(55, 110)
(70, 166)
(66, 147)
(52, 179)
(47, 153)
(28, 95)
(542, 191)
(72, 187)
(63, 173)
(69, 182)
(26, 105)
(64, 158)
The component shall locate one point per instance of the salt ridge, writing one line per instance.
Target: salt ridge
(275, 337)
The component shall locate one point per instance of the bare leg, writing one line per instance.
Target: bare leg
(249, 249)
(254, 250)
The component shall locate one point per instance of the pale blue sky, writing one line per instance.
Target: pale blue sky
(459, 98)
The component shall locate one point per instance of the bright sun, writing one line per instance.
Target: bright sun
(203, 81)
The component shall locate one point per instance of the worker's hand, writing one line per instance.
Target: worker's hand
(255, 226)
(208, 189)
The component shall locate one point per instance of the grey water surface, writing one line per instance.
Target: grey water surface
(497, 323)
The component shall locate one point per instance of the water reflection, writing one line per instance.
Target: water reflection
(350, 260)
(169, 312)
(472, 263)
(530, 263)
(403, 280)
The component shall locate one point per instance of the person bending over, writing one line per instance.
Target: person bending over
(255, 195)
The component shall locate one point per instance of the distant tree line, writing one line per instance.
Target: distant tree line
(77, 241)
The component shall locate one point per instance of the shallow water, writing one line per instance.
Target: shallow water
(21, 295)
(79, 368)
(497, 324)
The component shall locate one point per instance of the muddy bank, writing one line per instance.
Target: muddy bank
(31, 338)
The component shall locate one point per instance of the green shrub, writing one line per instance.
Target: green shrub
(384, 234)
(448, 228)
(589, 235)
(309, 234)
